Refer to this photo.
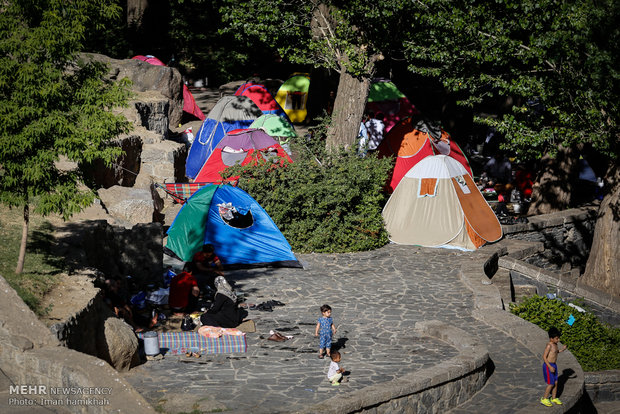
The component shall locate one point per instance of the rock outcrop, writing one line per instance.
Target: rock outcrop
(117, 344)
(146, 77)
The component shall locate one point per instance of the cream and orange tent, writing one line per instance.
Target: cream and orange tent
(437, 204)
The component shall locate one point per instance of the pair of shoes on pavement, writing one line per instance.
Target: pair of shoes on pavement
(548, 402)
(277, 337)
(262, 307)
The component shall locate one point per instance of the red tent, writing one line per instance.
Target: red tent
(412, 140)
(189, 103)
(241, 147)
(262, 98)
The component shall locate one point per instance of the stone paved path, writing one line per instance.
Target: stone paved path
(376, 298)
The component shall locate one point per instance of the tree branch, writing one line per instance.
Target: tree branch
(522, 46)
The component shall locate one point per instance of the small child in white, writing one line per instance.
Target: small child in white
(334, 374)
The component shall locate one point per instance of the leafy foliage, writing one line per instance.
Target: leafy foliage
(322, 202)
(554, 60)
(595, 345)
(52, 106)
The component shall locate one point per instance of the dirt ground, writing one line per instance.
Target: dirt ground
(71, 294)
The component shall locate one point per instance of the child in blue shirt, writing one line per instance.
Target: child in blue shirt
(324, 330)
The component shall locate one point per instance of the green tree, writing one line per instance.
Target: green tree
(552, 65)
(52, 106)
(348, 37)
(555, 60)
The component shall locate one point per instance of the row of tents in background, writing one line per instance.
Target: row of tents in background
(434, 200)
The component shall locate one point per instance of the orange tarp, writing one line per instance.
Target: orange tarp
(481, 218)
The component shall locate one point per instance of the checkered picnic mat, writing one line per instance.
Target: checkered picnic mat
(182, 191)
(176, 343)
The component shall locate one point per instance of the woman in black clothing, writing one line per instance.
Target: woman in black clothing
(224, 311)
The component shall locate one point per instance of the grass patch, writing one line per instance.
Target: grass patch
(41, 267)
(596, 345)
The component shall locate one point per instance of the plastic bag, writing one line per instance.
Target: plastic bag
(158, 297)
(188, 135)
(168, 275)
(138, 300)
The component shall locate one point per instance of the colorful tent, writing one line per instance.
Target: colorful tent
(241, 148)
(278, 128)
(189, 103)
(384, 97)
(242, 232)
(229, 113)
(413, 139)
(437, 204)
(262, 98)
(293, 96)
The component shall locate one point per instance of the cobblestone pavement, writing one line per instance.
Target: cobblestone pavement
(377, 297)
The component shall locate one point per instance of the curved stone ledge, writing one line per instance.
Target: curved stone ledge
(435, 389)
(568, 284)
(488, 308)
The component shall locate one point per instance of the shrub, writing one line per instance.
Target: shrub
(595, 345)
(324, 201)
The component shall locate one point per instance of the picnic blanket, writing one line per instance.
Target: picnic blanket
(178, 343)
(181, 191)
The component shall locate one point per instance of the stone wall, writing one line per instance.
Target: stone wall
(31, 356)
(567, 234)
(113, 250)
(565, 284)
(436, 389)
(603, 385)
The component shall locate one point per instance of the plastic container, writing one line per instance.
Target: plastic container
(151, 343)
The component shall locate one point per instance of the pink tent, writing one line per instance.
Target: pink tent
(189, 103)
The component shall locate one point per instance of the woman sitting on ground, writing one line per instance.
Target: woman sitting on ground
(224, 311)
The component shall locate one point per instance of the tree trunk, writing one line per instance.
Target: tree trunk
(555, 185)
(135, 11)
(348, 110)
(603, 267)
(22, 245)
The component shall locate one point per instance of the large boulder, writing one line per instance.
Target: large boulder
(130, 205)
(118, 344)
(152, 109)
(146, 77)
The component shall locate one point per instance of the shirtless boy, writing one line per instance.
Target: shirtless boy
(550, 369)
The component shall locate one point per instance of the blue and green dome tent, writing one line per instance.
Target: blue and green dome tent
(241, 231)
